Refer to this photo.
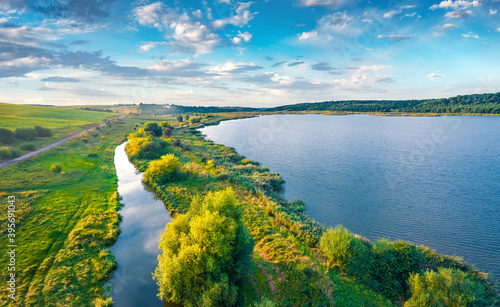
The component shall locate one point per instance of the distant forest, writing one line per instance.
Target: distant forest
(468, 104)
(162, 109)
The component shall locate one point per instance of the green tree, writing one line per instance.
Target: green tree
(26, 134)
(179, 118)
(446, 287)
(153, 128)
(43, 132)
(6, 136)
(206, 252)
(165, 124)
(339, 245)
(186, 118)
(163, 170)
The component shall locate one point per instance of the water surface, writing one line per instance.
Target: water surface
(433, 181)
(136, 250)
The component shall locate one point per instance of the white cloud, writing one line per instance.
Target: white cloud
(241, 37)
(493, 12)
(459, 14)
(321, 2)
(150, 45)
(448, 26)
(150, 15)
(391, 14)
(470, 35)
(434, 75)
(395, 37)
(459, 4)
(241, 17)
(308, 35)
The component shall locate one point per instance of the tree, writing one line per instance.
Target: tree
(339, 245)
(206, 252)
(167, 132)
(153, 128)
(6, 136)
(186, 118)
(26, 134)
(165, 124)
(163, 170)
(145, 147)
(179, 118)
(43, 132)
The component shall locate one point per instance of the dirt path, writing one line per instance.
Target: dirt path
(36, 152)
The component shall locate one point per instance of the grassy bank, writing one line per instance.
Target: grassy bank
(64, 221)
(290, 266)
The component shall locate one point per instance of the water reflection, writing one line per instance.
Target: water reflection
(136, 250)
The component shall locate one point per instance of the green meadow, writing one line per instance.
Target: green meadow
(14, 116)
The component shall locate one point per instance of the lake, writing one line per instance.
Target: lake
(433, 181)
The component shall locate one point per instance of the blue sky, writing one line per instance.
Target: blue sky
(260, 53)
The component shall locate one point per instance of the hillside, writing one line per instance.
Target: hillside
(468, 104)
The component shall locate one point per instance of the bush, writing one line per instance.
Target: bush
(43, 132)
(92, 155)
(339, 245)
(446, 287)
(179, 118)
(27, 146)
(162, 171)
(6, 136)
(167, 132)
(165, 124)
(85, 140)
(208, 251)
(153, 129)
(146, 147)
(26, 134)
(15, 153)
(56, 168)
(5, 152)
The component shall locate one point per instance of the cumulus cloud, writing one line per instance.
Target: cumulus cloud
(242, 37)
(434, 76)
(458, 4)
(448, 26)
(338, 25)
(460, 14)
(240, 17)
(493, 12)
(470, 35)
(308, 35)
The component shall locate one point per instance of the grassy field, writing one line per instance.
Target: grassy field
(62, 123)
(23, 116)
(64, 221)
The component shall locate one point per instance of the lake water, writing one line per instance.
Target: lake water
(136, 250)
(433, 181)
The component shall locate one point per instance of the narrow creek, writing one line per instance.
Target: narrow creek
(136, 250)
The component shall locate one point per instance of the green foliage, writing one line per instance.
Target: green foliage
(85, 140)
(28, 134)
(195, 120)
(186, 118)
(446, 287)
(43, 132)
(305, 291)
(339, 245)
(5, 152)
(153, 128)
(166, 124)
(167, 132)
(265, 302)
(161, 171)
(27, 146)
(56, 168)
(145, 147)
(179, 118)
(6, 136)
(205, 253)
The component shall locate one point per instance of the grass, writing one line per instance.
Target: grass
(25, 116)
(64, 221)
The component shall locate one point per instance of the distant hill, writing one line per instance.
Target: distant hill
(467, 104)
(170, 109)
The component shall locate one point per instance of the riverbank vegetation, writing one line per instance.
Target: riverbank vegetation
(66, 216)
(295, 261)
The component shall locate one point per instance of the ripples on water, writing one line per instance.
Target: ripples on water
(433, 181)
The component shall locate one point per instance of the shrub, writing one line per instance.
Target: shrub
(186, 118)
(145, 147)
(6, 136)
(27, 146)
(339, 245)
(446, 287)
(15, 153)
(165, 124)
(85, 140)
(26, 134)
(208, 251)
(179, 118)
(163, 170)
(177, 142)
(92, 155)
(5, 152)
(43, 132)
(153, 129)
(167, 132)
(56, 168)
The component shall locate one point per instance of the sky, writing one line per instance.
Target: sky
(259, 53)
